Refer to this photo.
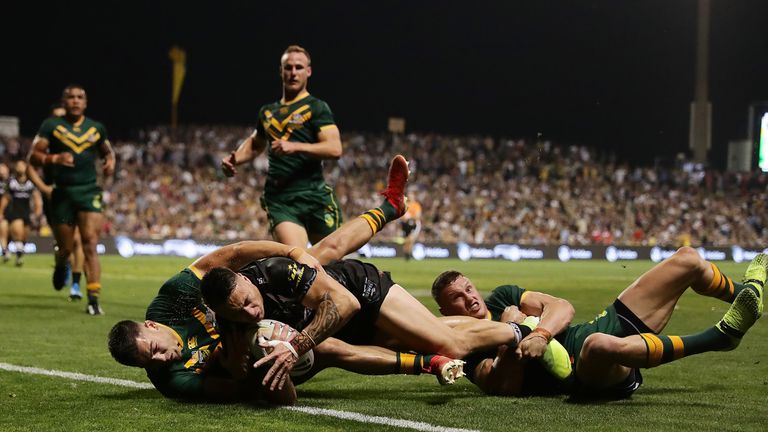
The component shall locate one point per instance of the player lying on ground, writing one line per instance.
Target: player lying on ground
(180, 344)
(609, 350)
(348, 299)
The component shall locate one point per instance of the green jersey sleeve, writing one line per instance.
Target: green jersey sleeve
(103, 131)
(260, 124)
(178, 383)
(321, 115)
(503, 296)
(46, 129)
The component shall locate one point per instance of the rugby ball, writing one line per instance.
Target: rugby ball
(263, 331)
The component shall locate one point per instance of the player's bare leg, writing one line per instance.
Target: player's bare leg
(63, 233)
(4, 239)
(347, 239)
(405, 318)
(374, 360)
(606, 360)
(359, 231)
(291, 234)
(89, 224)
(18, 235)
(653, 296)
(77, 261)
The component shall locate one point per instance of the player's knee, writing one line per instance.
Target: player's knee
(329, 249)
(89, 244)
(63, 251)
(690, 259)
(598, 345)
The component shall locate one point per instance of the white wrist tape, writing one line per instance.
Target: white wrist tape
(274, 343)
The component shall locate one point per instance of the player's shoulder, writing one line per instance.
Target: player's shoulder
(507, 290)
(89, 122)
(317, 103)
(271, 106)
(50, 123)
(185, 280)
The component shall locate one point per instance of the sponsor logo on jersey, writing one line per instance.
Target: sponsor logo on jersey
(369, 290)
(329, 219)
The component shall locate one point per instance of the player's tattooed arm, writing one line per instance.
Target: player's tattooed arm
(333, 304)
(326, 322)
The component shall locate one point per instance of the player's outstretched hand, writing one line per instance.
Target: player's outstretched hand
(228, 165)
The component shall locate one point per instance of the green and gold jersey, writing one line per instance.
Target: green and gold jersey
(572, 337)
(501, 297)
(536, 380)
(82, 139)
(299, 120)
(180, 307)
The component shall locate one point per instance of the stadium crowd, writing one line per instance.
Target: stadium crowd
(168, 184)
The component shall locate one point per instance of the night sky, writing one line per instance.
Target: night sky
(610, 74)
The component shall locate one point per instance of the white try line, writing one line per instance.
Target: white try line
(345, 415)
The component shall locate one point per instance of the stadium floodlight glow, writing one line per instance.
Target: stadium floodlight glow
(762, 160)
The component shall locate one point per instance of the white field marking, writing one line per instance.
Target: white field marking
(345, 415)
(75, 376)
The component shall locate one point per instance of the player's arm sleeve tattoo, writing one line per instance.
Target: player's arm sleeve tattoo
(327, 321)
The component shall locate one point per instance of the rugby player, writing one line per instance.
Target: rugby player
(4, 176)
(68, 146)
(298, 132)
(180, 343)
(347, 299)
(609, 350)
(411, 225)
(45, 185)
(16, 205)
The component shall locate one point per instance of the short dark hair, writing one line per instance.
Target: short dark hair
(70, 87)
(217, 285)
(122, 342)
(446, 278)
(298, 49)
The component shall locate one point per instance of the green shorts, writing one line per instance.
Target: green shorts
(616, 320)
(316, 210)
(67, 201)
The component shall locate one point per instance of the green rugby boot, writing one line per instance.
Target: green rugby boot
(743, 313)
(756, 275)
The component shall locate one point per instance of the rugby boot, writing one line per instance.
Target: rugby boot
(396, 181)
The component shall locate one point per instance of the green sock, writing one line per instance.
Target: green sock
(664, 349)
(380, 216)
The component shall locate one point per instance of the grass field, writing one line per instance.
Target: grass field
(39, 328)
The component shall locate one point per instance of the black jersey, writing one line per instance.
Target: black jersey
(20, 194)
(283, 283)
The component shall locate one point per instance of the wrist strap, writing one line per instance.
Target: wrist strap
(543, 332)
(518, 333)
